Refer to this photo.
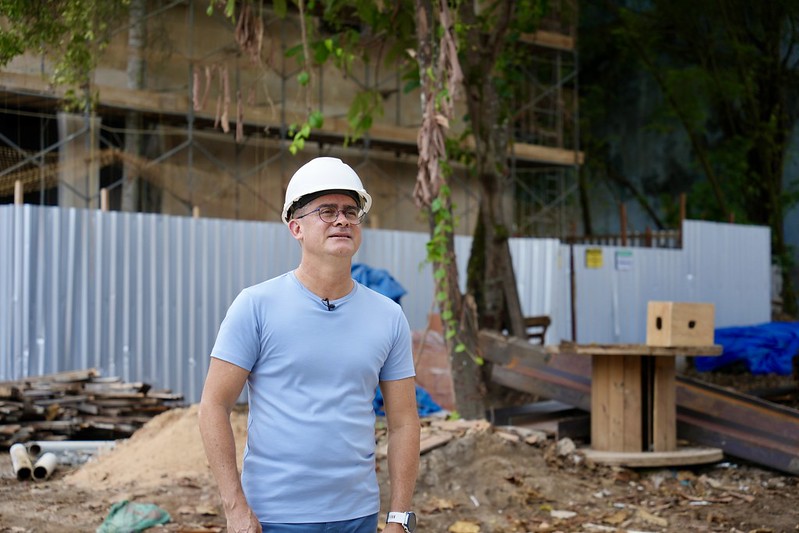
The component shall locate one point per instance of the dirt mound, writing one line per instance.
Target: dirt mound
(167, 449)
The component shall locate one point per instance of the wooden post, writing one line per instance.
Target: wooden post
(19, 193)
(573, 291)
(623, 222)
(683, 208)
(104, 202)
(195, 211)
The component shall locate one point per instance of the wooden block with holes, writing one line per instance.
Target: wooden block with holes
(679, 324)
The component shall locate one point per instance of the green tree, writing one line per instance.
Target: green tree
(726, 77)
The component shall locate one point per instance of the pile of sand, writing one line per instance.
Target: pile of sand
(167, 449)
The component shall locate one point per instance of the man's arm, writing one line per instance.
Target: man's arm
(223, 385)
(404, 431)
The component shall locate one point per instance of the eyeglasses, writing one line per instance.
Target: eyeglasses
(330, 214)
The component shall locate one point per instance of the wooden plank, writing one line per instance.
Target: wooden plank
(686, 456)
(166, 396)
(602, 428)
(62, 400)
(512, 351)
(664, 406)
(549, 39)
(632, 393)
(8, 390)
(639, 349)
(616, 416)
(9, 429)
(118, 394)
(546, 383)
(431, 442)
(72, 375)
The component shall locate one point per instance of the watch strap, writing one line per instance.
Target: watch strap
(398, 518)
(395, 517)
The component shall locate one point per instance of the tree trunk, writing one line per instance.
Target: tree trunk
(501, 308)
(459, 314)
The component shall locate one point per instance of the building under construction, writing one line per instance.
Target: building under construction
(187, 122)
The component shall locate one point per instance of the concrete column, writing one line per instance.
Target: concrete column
(79, 173)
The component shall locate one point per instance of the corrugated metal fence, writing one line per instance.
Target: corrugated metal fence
(723, 264)
(141, 296)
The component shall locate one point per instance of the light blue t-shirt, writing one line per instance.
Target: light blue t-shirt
(313, 375)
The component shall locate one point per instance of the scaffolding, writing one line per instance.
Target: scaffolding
(213, 127)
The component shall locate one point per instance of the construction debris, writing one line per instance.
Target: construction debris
(79, 405)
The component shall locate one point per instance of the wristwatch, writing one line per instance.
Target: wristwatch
(408, 520)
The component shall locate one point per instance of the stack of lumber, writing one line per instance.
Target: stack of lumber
(78, 405)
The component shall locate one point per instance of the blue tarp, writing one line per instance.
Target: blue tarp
(764, 349)
(378, 279)
(424, 403)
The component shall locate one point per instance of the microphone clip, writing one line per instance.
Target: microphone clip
(327, 303)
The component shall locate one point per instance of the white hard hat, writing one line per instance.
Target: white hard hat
(324, 174)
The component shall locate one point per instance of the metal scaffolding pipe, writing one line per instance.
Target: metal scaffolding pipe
(20, 461)
(44, 466)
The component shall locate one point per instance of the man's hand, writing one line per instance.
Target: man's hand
(243, 521)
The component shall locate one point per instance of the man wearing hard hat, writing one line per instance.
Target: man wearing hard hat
(312, 345)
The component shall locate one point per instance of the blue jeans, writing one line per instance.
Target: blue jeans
(367, 524)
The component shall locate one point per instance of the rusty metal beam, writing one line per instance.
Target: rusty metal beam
(743, 426)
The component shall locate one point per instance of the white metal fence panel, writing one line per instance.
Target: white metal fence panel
(729, 265)
(7, 321)
(539, 279)
(723, 264)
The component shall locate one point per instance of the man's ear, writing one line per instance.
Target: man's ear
(295, 228)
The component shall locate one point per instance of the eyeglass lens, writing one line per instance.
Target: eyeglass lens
(330, 214)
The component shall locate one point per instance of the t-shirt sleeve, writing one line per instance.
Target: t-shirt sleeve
(238, 340)
(399, 364)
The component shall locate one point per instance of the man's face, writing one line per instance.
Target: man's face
(339, 238)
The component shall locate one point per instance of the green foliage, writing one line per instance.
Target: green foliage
(365, 106)
(438, 254)
(300, 133)
(71, 33)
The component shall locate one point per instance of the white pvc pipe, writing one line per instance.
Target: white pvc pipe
(55, 446)
(20, 461)
(44, 466)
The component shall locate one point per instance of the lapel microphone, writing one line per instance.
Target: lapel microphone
(327, 303)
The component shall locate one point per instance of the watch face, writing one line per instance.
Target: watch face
(411, 521)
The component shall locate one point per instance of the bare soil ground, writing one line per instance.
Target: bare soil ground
(483, 480)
